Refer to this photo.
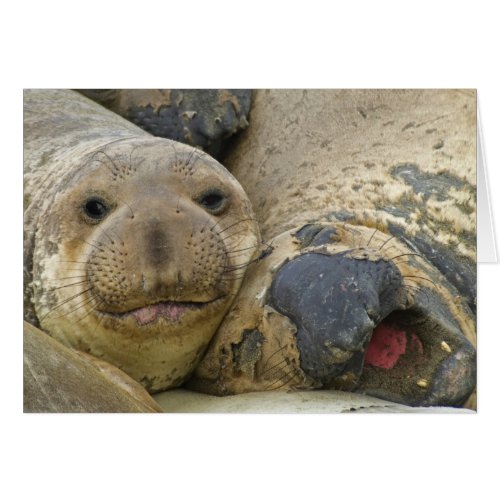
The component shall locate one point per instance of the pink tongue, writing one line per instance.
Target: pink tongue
(388, 344)
(168, 310)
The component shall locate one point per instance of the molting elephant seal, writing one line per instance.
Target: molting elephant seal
(366, 200)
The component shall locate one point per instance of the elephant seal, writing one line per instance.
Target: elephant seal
(133, 245)
(204, 118)
(366, 200)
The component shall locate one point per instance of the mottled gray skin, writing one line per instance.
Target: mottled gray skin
(366, 199)
(132, 243)
(203, 118)
(400, 160)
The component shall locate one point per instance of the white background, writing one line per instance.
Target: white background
(230, 45)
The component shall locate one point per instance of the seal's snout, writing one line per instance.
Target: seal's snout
(335, 301)
(361, 327)
(159, 274)
(142, 261)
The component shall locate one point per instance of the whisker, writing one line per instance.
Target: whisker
(252, 261)
(110, 238)
(99, 302)
(408, 254)
(65, 301)
(71, 262)
(419, 289)
(369, 241)
(273, 367)
(404, 255)
(242, 249)
(115, 166)
(190, 157)
(234, 234)
(99, 323)
(385, 242)
(273, 354)
(285, 376)
(236, 267)
(353, 232)
(285, 382)
(421, 278)
(389, 247)
(132, 151)
(129, 207)
(222, 218)
(232, 278)
(235, 224)
(66, 286)
(92, 244)
(93, 158)
(74, 271)
(81, 304)
(70, 277)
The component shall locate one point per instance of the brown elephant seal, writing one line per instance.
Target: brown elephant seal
(367, 202)
(133, 245)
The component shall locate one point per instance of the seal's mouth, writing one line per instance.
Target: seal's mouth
(402, 355)
(414, 357)
(358, 329)
(392, 344)
(172, 311)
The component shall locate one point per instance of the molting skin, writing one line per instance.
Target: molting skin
(133, 245)
(349, 309)
(367, 202)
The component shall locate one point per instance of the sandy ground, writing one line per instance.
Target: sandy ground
(184, 401)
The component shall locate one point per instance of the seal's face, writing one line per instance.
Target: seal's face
(345, 307)
(140, 257)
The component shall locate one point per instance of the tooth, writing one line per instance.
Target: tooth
(445, 346)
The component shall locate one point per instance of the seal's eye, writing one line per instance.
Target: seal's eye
(213, 200)
(96, 208)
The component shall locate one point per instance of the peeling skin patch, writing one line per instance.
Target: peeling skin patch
(248, 352)
(437, 185)
(306, 234)
(316, 234)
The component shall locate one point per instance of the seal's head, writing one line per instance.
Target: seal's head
(139, 254)
(350, 308)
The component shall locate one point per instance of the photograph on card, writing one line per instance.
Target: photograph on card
(250, 251)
